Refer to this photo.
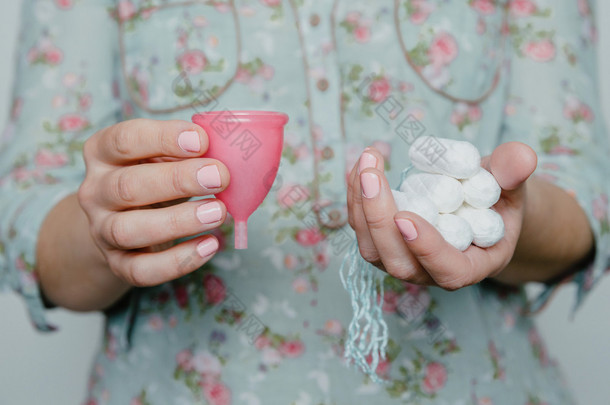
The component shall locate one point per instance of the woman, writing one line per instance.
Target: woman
(208, 324)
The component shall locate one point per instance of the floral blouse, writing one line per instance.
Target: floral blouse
(267, 325)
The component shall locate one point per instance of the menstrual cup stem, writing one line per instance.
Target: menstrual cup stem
(241, 235)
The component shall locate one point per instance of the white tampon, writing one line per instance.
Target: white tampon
(457, 159)
(481, 190)
(487, 225)
(418, 204)
(455, 230)
(445, 192)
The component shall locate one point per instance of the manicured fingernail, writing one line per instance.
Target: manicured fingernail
(189, 141)
(370, 185)
(207, 246)
(209, 177)
(209, 213)
(367, 160)
(407, 229)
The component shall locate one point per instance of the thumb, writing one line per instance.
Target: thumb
(511, 163)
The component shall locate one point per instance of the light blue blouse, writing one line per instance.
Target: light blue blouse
(267, 325)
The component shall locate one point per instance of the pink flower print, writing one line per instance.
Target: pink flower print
(383, 366)
(435, 379)
(474, 113)
(290, 261)
(181, 294)
(200, 21)
(126, 10)
(600, 207)
(261, 342)
(362, 34)
(353, 17)
(243, 76)
(193, 62)
(583, 8)
(300, 285)
(390, 301)
(271, 3)
(136, 401)
(84, 101)
(266, 72)
(405, 87)
(182, 41)
(522, 8)
(53, 56)
(443, 49)
(562, 150)
(481, 26)
(70, 80)
(72, 123)
(540, 51)
(421, 10)
(333, 327)
(58, 101)
(207, 364)
(576, 110)
(215, 290)
(216, 393)
(184, 359)
(292, 348)
(47, 159)
(379, 90)
(322, 259)
(63, 4)
(17, 108)
(292, 194)
(155, 322)
(485, 7)
(271, 357)
(309, 237)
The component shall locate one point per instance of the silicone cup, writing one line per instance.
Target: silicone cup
(250, 144)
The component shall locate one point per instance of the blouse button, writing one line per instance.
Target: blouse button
(322, 84)
(314, 20)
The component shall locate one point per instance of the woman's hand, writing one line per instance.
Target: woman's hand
(131, 167)
(410, 248)
(119, 230)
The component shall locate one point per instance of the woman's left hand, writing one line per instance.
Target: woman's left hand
(409, 248)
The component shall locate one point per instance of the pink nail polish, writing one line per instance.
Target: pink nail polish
(209, 177)
(367, 160)
(189, 141)
(406, 228)
(370, 185)
(207, 247)
(209, 212)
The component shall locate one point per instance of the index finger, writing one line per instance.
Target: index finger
(133, 140)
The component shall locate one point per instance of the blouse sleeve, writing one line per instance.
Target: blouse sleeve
(62, 94)
(553, 105)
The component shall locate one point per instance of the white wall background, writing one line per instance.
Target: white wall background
(53, 368)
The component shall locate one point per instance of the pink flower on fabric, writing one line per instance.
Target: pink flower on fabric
(261, 342)
(292, 349)
(522, 8)
(383, 366)
(353, 17)
(292, 194)
(155, 322)
(126, 10)
(272, 3)
(184, 360)
(193, 62)
(309, 237)
(207, 364)
(540, 51)
(333, 327)
(390, 301)
(53, 56)
(47, 159)
(215, 290)
(485, 7)
(216, 393)
(583, 7)
(267, 72)
(300, 285)
(290, 261)
(322, 260)
(85, 101)
(379, 90)
(443, 49)
(64, 4)
(436, 377)
(72, 123)
(181, 294)
(362, 34)
(243, 76)
(422, 10)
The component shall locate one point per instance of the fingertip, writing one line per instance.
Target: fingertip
(512, 163)
(371, 158)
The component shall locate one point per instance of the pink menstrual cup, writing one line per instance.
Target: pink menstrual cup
(250, 144)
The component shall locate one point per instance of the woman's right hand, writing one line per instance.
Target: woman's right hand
(139, 175)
